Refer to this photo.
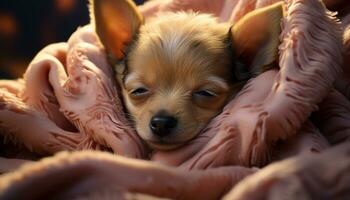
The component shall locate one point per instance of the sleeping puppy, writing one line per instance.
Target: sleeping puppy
(177, 71)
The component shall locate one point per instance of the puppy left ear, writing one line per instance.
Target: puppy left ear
(116, 22)
(255, 38)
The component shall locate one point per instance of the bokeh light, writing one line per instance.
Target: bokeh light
(27, 26)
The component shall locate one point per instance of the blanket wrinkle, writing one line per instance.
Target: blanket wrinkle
(90, 100)
(87, 173)
(308, 140)
(342, 84)
(310, 53)
(14, 110)
(243, 7)
(309, 176)
(74, 92)
(37, 92)
(333, 118)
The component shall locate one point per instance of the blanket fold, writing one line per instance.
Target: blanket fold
(96, 175)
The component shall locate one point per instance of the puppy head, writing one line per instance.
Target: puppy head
(177, 71)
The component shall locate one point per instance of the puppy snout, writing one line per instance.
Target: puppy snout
(162, 125)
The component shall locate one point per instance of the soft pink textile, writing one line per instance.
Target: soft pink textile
(68, 100)
(225, 10)
(310, 176)
(97, 175)
(342, 84)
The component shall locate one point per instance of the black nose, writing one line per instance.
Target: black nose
(162, 125)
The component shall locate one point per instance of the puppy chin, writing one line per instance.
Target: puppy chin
(167, 143)
(163, 146)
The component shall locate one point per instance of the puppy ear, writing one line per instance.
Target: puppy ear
(255, 38)
(116, 22)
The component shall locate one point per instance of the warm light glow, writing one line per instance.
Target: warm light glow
(65, 6)
(8, 25)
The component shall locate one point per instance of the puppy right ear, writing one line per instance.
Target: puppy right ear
(255, 37)
(116, 22)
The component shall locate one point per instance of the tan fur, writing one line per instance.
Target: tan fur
(172, 58)
(173, 63)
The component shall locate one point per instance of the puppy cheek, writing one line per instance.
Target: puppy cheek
(139, 118)
(204, 116)
(188, 127)
(186, 134)
(128, 103)
(142, 132)
(201, 119)
(142, 125)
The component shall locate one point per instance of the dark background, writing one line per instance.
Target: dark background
(26, 26)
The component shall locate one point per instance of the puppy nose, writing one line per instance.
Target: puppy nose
(162, 125)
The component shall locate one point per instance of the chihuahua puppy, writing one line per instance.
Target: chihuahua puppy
(176, 71)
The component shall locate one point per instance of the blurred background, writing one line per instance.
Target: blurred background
(26, 26)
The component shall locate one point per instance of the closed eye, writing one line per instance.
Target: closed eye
(139, 91)
(205, 93)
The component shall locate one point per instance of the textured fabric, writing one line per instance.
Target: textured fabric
(68, 100)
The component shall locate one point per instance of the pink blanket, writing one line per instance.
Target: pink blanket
(68, 101)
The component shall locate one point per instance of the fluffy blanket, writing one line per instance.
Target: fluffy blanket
(69, 101)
